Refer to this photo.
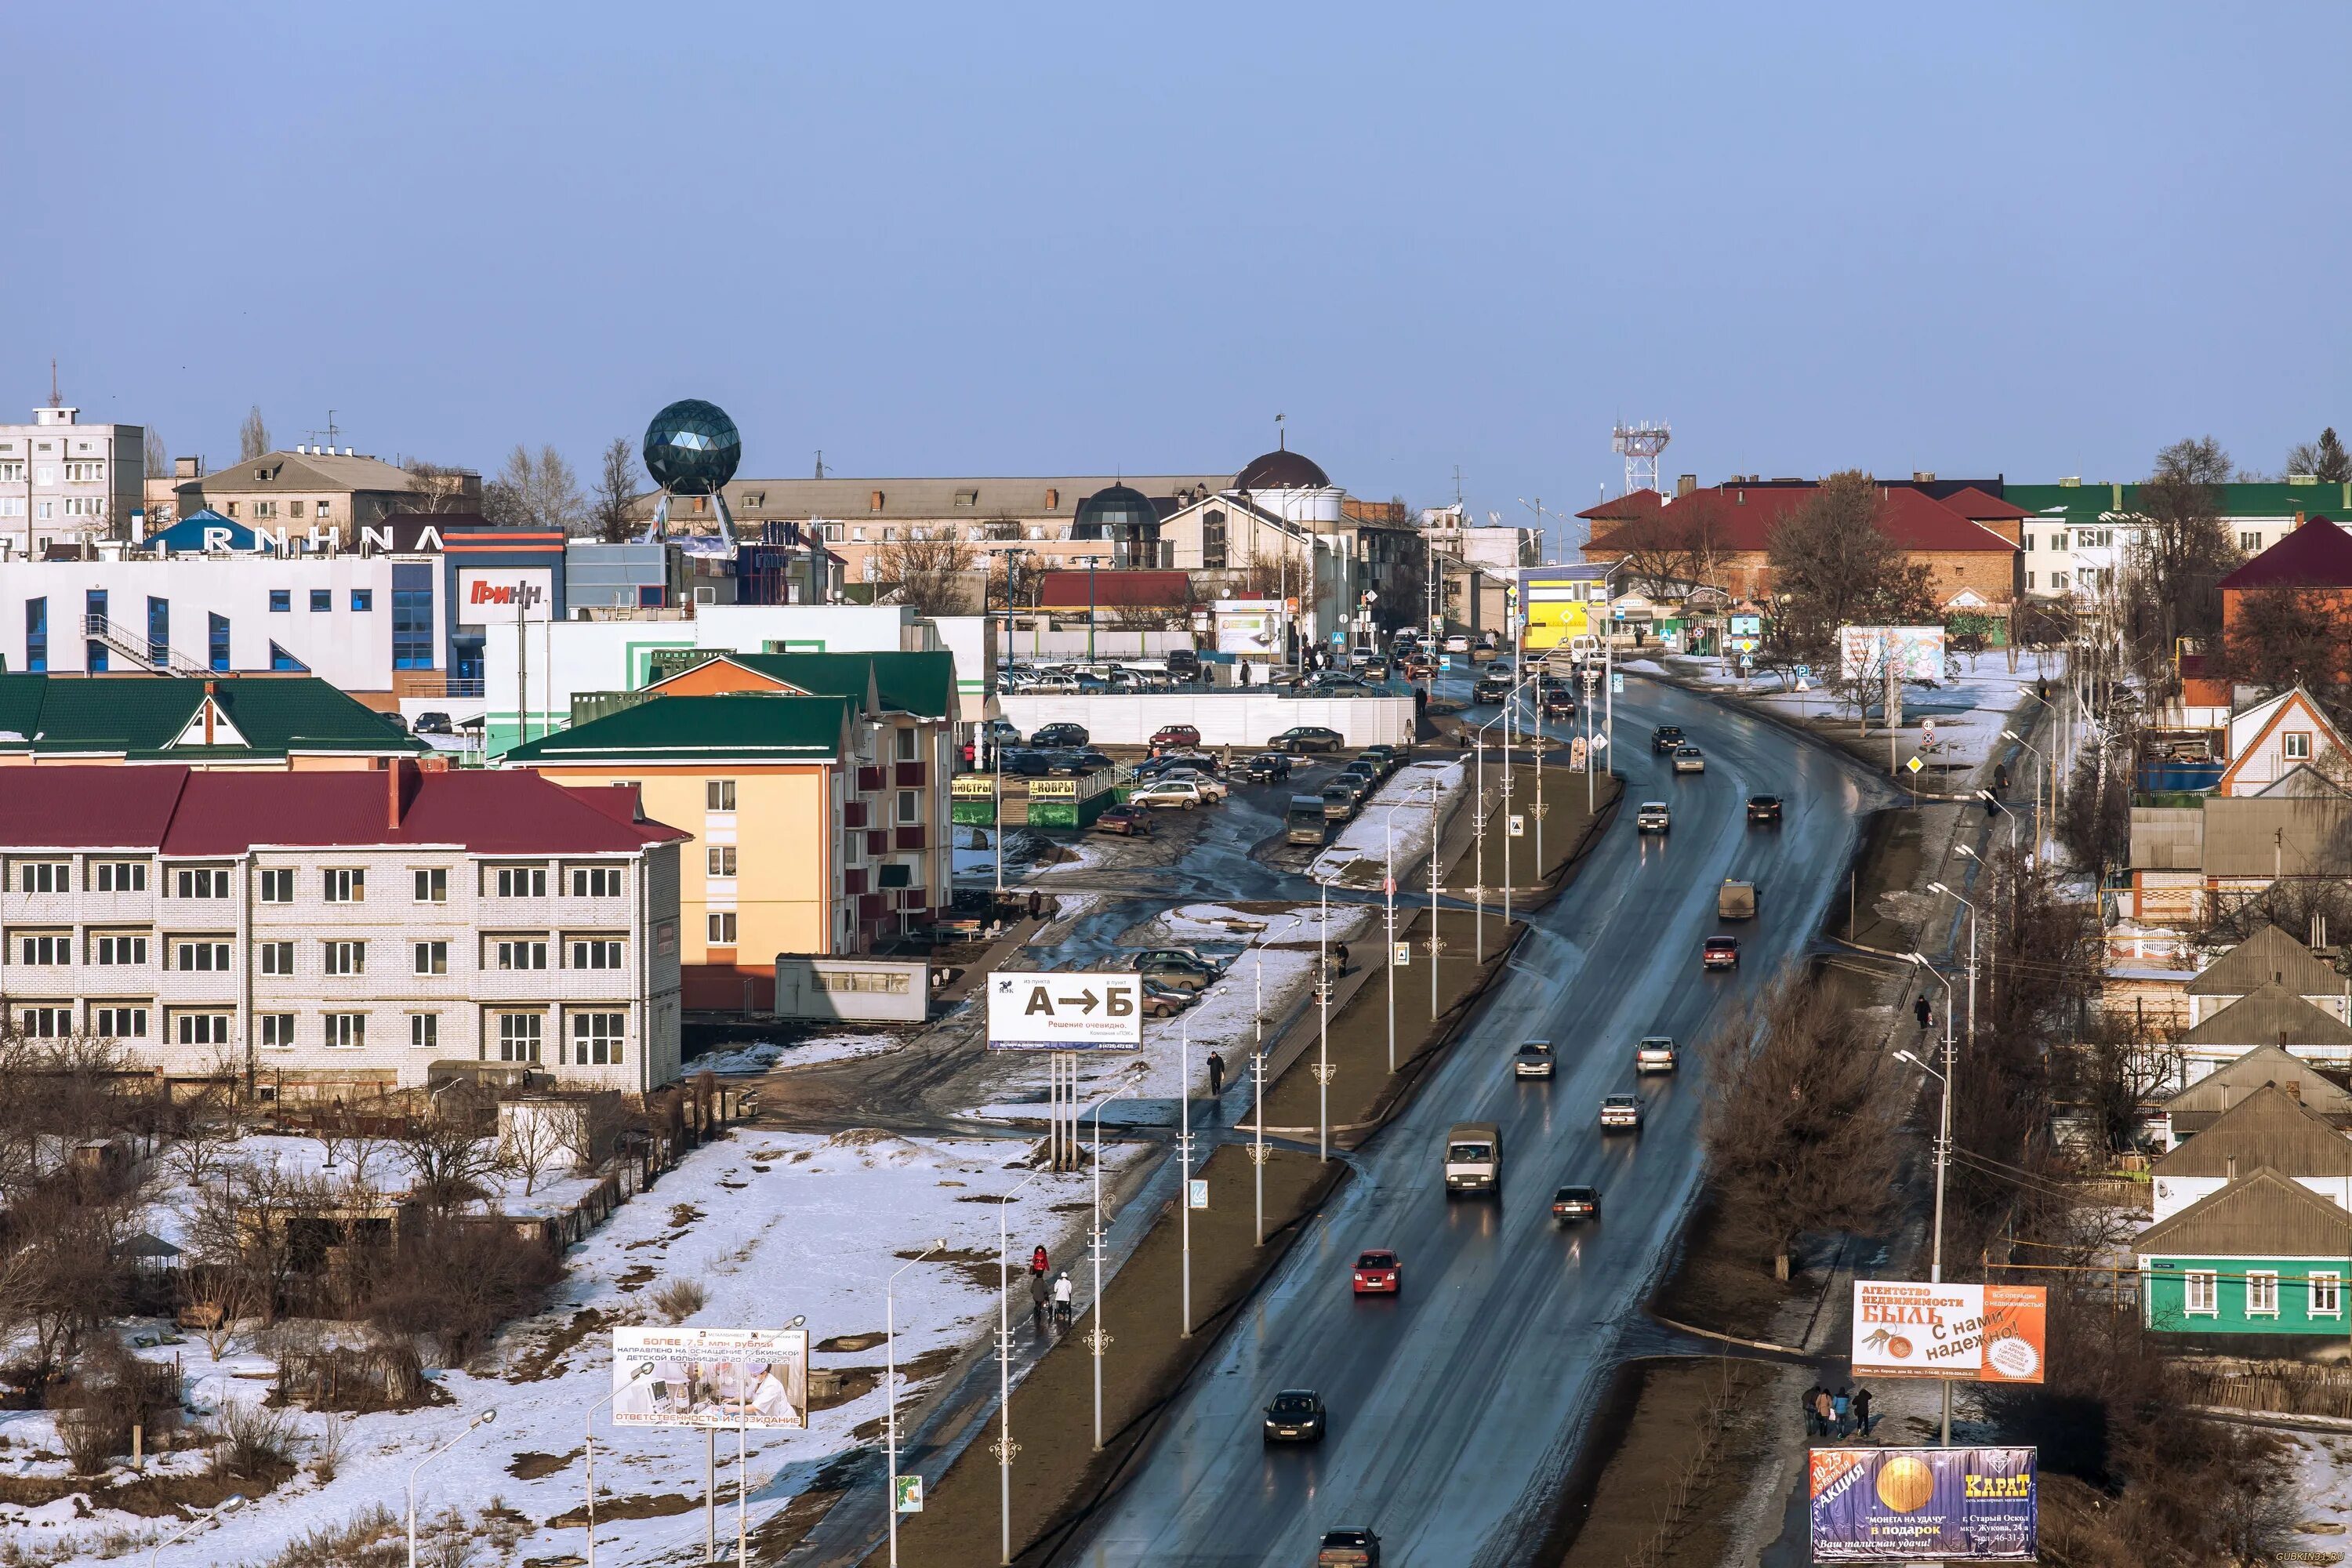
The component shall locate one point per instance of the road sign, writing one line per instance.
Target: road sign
(1404, 958)
(1915, 764)
(1445, 661)
(1197, 1193)
(1065, 1010)
(1601, 742)
(1746, 661)
(910, 1494)
(1616, 681)
(1804, 672)
(1519, 827)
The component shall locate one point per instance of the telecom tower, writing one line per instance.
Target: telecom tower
(1641, 444)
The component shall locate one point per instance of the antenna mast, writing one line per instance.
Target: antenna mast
(1640, 446)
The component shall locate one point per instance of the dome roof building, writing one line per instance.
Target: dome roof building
(1282, 469)
(1115, 511)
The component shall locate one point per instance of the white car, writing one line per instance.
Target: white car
(1457, 644)
(1654, 1054)
(1689, 760)
(1162, 795)
(1654, 817)
(1211, 786)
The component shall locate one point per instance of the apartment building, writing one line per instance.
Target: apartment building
(328, 491)
(63, 482)
(340, 934)
(2076, 536)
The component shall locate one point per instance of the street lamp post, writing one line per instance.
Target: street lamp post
(1005, 1448)
(890, 1384)
(643, 1371)
(201, 1516)
(1097, 1341)
(2040, 839)
(1258, 1069)
(1323, 1030)
(1943, 1157)
(1478, 867)
(1965, 904)
(484, 1419)
(1387, 888)
(1184, 1161)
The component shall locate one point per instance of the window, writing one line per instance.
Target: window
(265, 508)
(2026, 542)
(321, 507)
(55, 949)
(345, 884)
(911, 805)
(519, 953)
(322, 601)
(906, 745)
(2262, 1293)
(119, 1023)
(281, 600)
(722, 928)
(277, 958)
(518, 1036)
(2295, 745)
(2201, 1294)
(278, 886)
(666, 937)
(2326, 1295)
(433, 886)
(121, 876)
(2029, 582)
(217, 640)
(719, 795)
(44, 877)
(205, 955)
(346, 1031)
(861, 980)
(277, 1031)
(36, 634)
(345, 957)
(721, 858)
(596, 881)
(159, 631)
(425, 1031)
(523, 881)
(46, 1022)
(596, 1039)
(2058, 581)
(362, 599)
(432, 958)
(204, 882)
(85, 473)
(112, 950)
(595, 953)
(2252, 543)
(202, 1029)
(412, 617)
(279, 659)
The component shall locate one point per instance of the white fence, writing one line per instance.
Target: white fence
(1223, 718)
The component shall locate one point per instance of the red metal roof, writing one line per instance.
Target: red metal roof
(1975, 504)
(1742, 517)
(181, 811)
(1069, 591)
(2316, 555)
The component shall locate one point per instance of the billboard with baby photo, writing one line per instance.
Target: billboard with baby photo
(756, 1378)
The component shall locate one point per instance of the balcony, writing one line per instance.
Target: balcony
(852, 880)
(914, 898)
(868, 780)
(908, 837)
(870, 907)
(853, 814)
(878, 842)
(909, 775)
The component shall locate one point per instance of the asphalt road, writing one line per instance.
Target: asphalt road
(1456, 1409)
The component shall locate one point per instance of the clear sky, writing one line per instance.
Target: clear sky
(2031, 239)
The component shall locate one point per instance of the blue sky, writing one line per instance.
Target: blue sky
(2034, 240)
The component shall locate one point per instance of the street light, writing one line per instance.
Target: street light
(484, 1419)
(1965, 904)
(1994, 801)
(643, 1369)
(1097, 1341)
(203, 1516)
(1943, 1159)
(890, 1383)
(1004, 1449)
(2041, 841)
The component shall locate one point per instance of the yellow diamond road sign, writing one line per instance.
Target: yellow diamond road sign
(1915, 764)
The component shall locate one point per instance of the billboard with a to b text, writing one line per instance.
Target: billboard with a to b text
(1923, 1505)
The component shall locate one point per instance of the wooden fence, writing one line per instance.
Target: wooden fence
(2278, 1387)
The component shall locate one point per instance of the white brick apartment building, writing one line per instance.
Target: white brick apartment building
(320, 935)
(63, 480)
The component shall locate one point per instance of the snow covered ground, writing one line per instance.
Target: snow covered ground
(771, 1224)
(1356, 857)
(751, 1060)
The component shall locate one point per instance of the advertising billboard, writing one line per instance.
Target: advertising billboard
(1246, 627)
(1554, 607)
(1065, 1010)
(711, 1377)
(1936, 1505)
(495, 596)
(1862, 652)
(1972, 1333)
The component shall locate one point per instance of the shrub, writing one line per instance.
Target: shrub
(254, 1440)
(371, 1538)
(680, 1299)
(460, 1282)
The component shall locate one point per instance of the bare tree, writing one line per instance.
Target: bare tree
(200, 1149)
(1275, 574)
(437, 488)
(266, 1223)
(2324, 460)
(616, 486)
(2095, 814)
(1668, 556)
(927, 573)
(2287, 636)
(158, 458)
(533, 1135)
(252, 436)
(448, 1159)
(1834, 565)
(535, 491)
(2107, 1075)
(2178, 555)
(215, 1303)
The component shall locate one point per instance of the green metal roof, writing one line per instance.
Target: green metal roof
(922, 684)
(753, 726)
(2083, 505)
(141, 717)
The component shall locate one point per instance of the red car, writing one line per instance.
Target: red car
(1132, 821)
(1722, 953)
(1176, 735)
(1376, 1273)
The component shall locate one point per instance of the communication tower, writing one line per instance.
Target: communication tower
(1640, 444)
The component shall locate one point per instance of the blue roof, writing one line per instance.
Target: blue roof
(187, 535)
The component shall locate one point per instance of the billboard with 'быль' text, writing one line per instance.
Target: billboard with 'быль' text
(1971, 1334)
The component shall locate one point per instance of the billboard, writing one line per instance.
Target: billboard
(1554, 607)
(495, 596)
(1246, 627)
(711, 1377)
(1973, 1333)
(1862, 652)
(1948, 1505)
(1065, 1010)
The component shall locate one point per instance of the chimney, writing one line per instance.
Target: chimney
(2295, 1091)
(2230, 1167)
(1053, 498)
(1685, 484)
(399, 788)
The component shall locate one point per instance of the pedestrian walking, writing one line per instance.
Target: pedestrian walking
(1822, 1411)
(1037, 1264)
(1813, 1419)
(1920, 1009)
(1036, 904)
(1216, 1074)
(1062, 1299)
(1862, 1411)
(1841, 1411)
(1039, 1294)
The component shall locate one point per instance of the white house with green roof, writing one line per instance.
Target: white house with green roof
(2077, 528)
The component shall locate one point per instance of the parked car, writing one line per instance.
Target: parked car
(1212, 787)
(1341, 801)
(1082, 761)
(1163, 1001)
(1570, 1205)
(1308, 738)
(1653, 817)
(1356, 784)
(1163, 795)
(1720, 952)
(1266, 767)
(1665, 740)
(1620, 1113)
(1296, 1415)
(1130, 821)
(1763, 808)
(1088, 684)
(1689, 760)
(1382, 757)
(1184, 973)
(1377, 1273)
(1049, 735)
(434, 723)
(1349, 1548)
(1533, 1059)
(395, 722)
(1176, 735)
(1457, 643)
(999, 732)
(1027, 765)
(1367, 774)
(1183, 664)
(1654, 1054)
(1216, 963)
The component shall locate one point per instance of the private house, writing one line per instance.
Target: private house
(2269, 957)
(2191, 1110)
(2188, 859)
(2311, 556)
(274, 723)
(2273, 740)
(2270, 1015)
(2256, 1268)
(2268, 1128)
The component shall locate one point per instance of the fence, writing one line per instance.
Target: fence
(2279, 1387)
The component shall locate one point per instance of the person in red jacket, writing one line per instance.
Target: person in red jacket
(1037, 1261)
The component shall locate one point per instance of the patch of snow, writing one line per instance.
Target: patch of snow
(1402, 804)
(761, 1055)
